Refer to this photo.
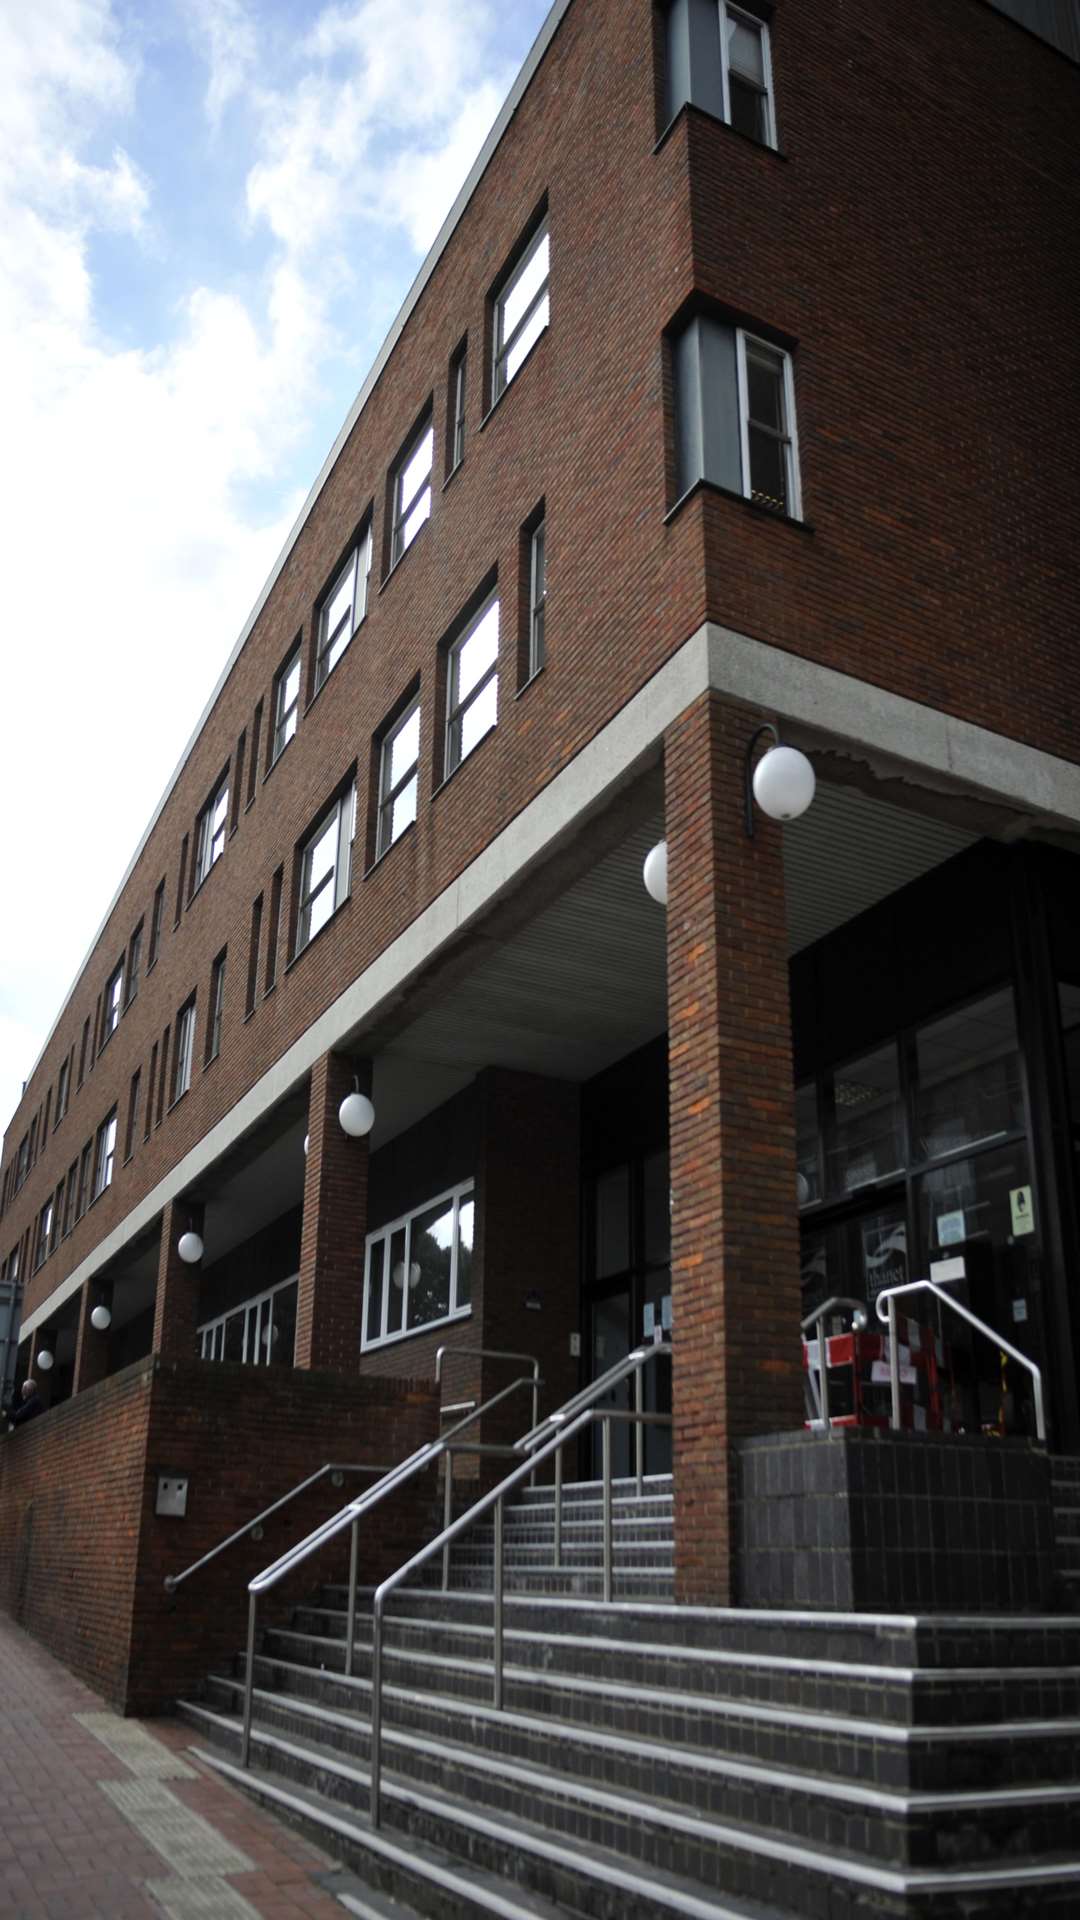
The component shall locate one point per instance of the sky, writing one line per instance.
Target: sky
(211, 211)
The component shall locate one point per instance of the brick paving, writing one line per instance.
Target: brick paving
(67, 1852)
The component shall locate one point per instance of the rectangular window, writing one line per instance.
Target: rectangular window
(58, 1208)
(157, 914)
(134, 962)
(63, 1087)
(105, 1154)
(184, 1049)
(273, 929)
(522, 310)
(85, 1042)
(286, 703)
(162, 1078)
(259, 1332)
(181, 880)
(537, 598)
(412, 491)
(253, 763)
(216, 1007)
(472, 685)
(110, 1012)
(455, 413)
(22, 1162)
(767, 425)
(69, 1197)
(341, 611)
(418, 1270)
(398, 778)
(747, 74)
(238, 782)
(132, 1115)
(34, 1137)
(44, 1234)
(85, 1161)
(150, 1085)
(325, 862)
(211, 829)
(253, 955)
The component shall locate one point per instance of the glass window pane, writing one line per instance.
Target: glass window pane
(765, 388)
(656, 1184)
(430, 1250)
(319, 911)
(613, 1222)
(339, 607)
(376, 1282)
(744, 49)
(283, 1327)
(322, 855)
(416, 470)
(768, 470)
(526, 338)
(525, 288)
(478, 652)
(403, 812)
(416, 518)
(1069, 997)
(807, 1143)
(747, 109)
(466, 1222)
(405, 747)
(398, 1291)
(968, 1077)
(480, 717)
(869, 1121)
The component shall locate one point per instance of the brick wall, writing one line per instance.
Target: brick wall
(84, 1556)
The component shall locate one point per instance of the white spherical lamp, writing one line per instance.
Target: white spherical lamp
(802, 1188)
(101, 1319)
(783, 783)
(45, 1359)
(307, 1142)
(356, 1115)
(190, 1248)
(654, 873)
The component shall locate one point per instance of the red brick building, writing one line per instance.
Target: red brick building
(733, 393)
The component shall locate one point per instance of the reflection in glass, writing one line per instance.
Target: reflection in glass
(613, 1222)
(430, 1257)
(868, 1143)
(656, 1184)
(968, 1087)
(807, 1144)
(464, 1257)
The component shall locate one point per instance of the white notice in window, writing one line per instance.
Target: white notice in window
(1023, 1215)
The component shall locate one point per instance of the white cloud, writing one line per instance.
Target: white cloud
(228, 34)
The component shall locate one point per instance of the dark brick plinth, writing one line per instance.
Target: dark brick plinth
(894, 1522)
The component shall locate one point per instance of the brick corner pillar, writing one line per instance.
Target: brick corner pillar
(735, 1241)
(329, 1313)
(176, 1302)
(91, 1347)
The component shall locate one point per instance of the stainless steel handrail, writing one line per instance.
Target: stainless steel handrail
(174, 1580)
(633, 1362)
(449, 1351)
(820, 1392)
(561, 1438)
(889, 1298)
(350, 1516)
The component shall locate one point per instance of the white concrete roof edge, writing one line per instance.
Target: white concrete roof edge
(397, 328)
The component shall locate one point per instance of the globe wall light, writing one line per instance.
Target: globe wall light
(782, 782)
(654, 873)
(398, 1274)
(45, 1359)
(101, 1319)
(356, 1115)
(190, 1248)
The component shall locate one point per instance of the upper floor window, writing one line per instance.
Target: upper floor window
(286, 703)
(63, 1090)
(537, 598)
(455, 437)
(341, 611)
(156, 916)
(747, 74)
(767, 424)
(134, 962)
(472, 685)
(325, 862)
(522, 310)
(44, 1234)
(22, 1163)
(185, 1048)
(418, 1270)
(735, 414)
(213, 825)
(397, 778)
(217, 1006)
(110, 1012)
(105, 1154)
(412, 491)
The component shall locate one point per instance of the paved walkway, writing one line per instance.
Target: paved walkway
(103, 1818)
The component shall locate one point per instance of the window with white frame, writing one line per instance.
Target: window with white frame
(212, 827)
(522, 310)
(341, 612)
(44, 1234)
(325, 862)
(418, 1269)
(412, 491)
(537, 598)
(767, 425)
(110, 1011)
(185, 1048)
(260, 1332)
(398, 778)
(747, 74)
(105, 1154)
(286, 703)
(472, 685)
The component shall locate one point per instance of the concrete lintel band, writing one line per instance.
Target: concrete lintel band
(836, 705)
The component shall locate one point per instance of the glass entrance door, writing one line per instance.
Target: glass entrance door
(629, 1283)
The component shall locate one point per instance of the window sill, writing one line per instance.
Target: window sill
(387, 851)
(453, 474)
(466, 762)
(729, 493)
(715, 120)
(418, 535)
(500, 397)
(306, 948)
(414, 1333)
(531, 681)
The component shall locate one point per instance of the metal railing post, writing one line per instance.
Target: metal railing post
(894, 1366)
(558, 1508)
(639, 1432)
(249, 1682)
(498, 1596)
(376, 1712)
(350, 1626)
(823, 1372)
(448, 1514)
(605, 1450)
